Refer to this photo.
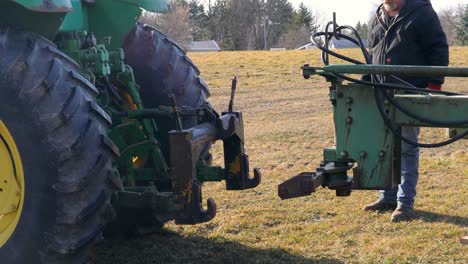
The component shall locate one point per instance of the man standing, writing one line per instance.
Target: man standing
(406, 32)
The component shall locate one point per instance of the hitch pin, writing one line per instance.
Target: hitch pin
(176, 112)
(233, 93)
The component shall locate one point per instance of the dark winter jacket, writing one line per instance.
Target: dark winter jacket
(413, 37)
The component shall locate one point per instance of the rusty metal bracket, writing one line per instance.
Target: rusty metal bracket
(186, 147)
(330, 174)
(236, 162)
(194, 212)
(303, 184)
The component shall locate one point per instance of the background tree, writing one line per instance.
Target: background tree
(303, 24)
(362, 30)
(276, 21)
(303, 18)
(198, 19)
(218, 23)
(175, 23)
(295, 38)
(462, 32)
(256, 32)
(261, 24)
(241, 21)
(450, 19)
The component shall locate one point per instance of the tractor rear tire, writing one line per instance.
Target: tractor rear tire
(162, 68)
(61, 136)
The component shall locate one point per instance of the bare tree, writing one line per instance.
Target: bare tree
(303, 24)
(295, 38)
(450, 20)
(218, 23)
(277, 19)
(174, 23)
(241, 21)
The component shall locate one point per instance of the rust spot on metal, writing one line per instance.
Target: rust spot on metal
(46, 9)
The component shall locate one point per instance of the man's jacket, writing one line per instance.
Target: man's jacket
(413, 37)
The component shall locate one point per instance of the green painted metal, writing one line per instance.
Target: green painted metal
(109, 20)
(453, 132)
(210, 174)
(363, 141)
(76, 20)
(67, 6)
(361, 136)
(42, 23)
(46, 6)
(401, 70)
(141, 159)
(112, 19)
(436, 107)
(92, 34)
(329, 154)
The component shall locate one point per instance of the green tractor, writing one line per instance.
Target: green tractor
(104, 127)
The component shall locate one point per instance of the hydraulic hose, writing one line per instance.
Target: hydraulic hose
(378, 83)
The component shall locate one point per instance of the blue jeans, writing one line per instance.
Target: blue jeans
(405, 192)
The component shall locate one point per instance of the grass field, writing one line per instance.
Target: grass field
(288, 121)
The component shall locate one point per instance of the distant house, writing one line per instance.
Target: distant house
(202, 46)
(343, 44)
(308, 46)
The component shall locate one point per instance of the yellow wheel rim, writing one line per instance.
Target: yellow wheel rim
(11, 185)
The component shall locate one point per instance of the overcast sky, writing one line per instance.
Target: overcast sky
(349, 12)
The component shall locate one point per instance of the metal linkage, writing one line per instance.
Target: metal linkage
(398, 70)
(233, 93)
(330, 174)
(301, 185)
(186, 149)
(186, 146)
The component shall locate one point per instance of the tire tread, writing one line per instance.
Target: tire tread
(83, 161)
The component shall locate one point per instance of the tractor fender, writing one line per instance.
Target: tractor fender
(46, 6)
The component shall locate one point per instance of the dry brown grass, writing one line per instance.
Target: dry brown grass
(288, 122)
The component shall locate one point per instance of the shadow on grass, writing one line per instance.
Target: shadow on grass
(169, 247)
(431, 217)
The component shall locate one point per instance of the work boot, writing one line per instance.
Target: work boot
(402, 214)
(380, 205)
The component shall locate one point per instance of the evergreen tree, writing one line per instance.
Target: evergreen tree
(362, 30)
(462, 32)
(301, 27)
(198, 20)
(303, 17)
(218, 24)
(276, 20)
(358, 26)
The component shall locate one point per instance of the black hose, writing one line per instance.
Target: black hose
(391, 86)
(397, 133)
(406, 87)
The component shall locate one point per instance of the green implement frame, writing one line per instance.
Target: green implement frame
(364, 142)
